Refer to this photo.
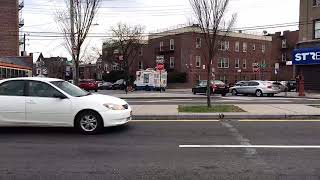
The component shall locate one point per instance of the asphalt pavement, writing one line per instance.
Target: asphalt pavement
(184, 150)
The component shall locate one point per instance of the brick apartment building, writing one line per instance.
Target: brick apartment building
(307, 55)
(183, 52)
(282, 46)
(11, 64)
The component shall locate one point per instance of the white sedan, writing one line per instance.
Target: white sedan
(55, 102)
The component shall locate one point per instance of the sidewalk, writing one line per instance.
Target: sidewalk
(253, 111)
(295, 94)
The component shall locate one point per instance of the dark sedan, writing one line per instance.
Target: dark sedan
(216, 87)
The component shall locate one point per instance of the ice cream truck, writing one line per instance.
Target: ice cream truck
(151, 79)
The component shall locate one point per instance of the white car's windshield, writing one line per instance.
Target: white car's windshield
(70, 89)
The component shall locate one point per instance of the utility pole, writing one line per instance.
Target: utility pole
(73, 48)
(24, 43)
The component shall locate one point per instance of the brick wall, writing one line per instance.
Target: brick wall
(9, 29)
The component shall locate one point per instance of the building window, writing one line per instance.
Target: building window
(237, 63)
(254, 47)
(284, 57)
(244, 64)
(317, 29)
(245, 47)
(198, 42)
(263, 48)
(263, 64)
(316, 3)
(171, 44)
(141, 51)
(237, 46)
(198, 61)
(105, 68)
(284, 43)
(223, 63)
(171, 62)
(161, 46)
(224, 45)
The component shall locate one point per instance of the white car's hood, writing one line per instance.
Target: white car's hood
(99, 98)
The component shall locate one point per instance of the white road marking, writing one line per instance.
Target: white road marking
(254, 146)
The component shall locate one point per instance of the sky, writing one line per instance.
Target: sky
(154, 15)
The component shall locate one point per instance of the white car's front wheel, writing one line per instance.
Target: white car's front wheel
(89, 123)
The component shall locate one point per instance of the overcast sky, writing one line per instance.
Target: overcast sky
(155, 15)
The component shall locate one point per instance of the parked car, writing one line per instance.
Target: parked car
(120, 84)
(258, 88)
(106, 86)
(281, 85)
(292, 85)
(88, 85)
(99, 84)
(216, 87)
(53, 102)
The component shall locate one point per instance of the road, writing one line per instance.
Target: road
(151, 150)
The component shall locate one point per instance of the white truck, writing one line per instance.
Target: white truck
(149, 79)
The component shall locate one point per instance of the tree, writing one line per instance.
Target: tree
(128, 40)
(209, 15)
(75, 24)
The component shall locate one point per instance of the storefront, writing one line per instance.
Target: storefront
(307, 62)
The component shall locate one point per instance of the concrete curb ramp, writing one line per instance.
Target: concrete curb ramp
(226, 117)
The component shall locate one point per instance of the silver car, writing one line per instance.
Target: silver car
(258, 88)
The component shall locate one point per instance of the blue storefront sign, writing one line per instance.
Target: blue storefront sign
(306, 56)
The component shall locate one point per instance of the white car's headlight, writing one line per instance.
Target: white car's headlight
(114, 106)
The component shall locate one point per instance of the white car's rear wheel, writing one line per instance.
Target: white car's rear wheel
(89, 122)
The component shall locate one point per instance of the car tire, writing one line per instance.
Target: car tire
(234, 92)
(223, 94)
(89, 123)
(96, 90)
(259, 93)
(272, 95)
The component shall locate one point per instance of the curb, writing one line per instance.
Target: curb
(226, 117)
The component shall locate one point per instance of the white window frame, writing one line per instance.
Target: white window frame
(237, 46)
(161, 45)
(198, 42)
(317, 29)
(198, 60)
(237, 63)
(284, 43)
(171, 44)
(172, 64)
(226, 45)
(223, 63)
(244, 64)
(244, 47)
(253, 47)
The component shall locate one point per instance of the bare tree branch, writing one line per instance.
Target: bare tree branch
(209, 15)
(84, 14)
